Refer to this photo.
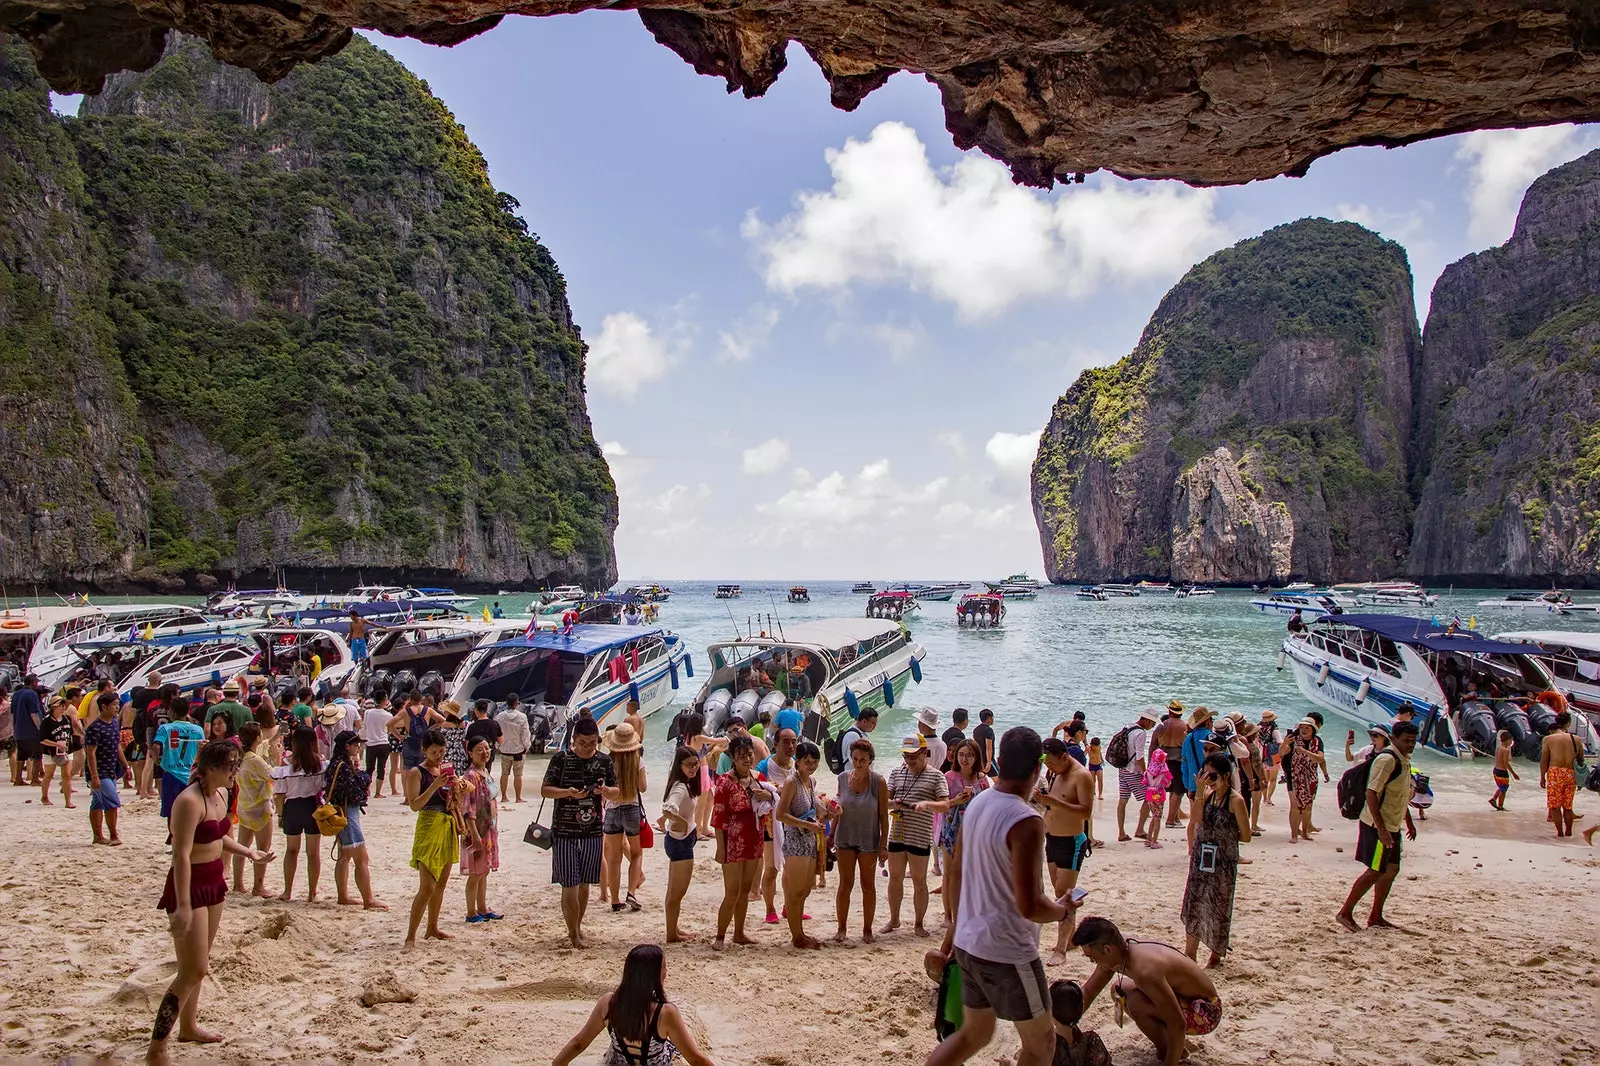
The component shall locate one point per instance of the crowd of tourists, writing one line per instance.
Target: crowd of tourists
(1000, 829)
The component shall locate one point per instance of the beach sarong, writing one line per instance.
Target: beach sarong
(435, 847)
(1561, 787)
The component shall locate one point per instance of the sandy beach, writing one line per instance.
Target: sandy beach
(1497, 963)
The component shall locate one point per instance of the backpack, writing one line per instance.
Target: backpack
(834, 750)
(1353, 786)
(1119, 753)
(1593, 783)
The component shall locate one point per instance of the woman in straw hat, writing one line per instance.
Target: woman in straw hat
(623, 817)
(1301, 761)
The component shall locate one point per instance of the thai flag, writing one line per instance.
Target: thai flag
(411, 613)
(533, 627)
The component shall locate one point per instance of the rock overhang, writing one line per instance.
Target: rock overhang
(1205, 91)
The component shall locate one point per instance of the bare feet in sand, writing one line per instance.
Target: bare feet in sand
(743, 939)
(285, 897)
(198, 1035)
(375, 905)
(919, 931)
(1380, 922)
(719, 944)
(891, 927)
(1057, 958)
(1348, 922)
(438, 934)
(681, 938)
(807, 943)
(1214, 961)
(348, 902)
(840, 938)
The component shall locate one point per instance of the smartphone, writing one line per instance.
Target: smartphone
(1077, 894)
(1208, 858)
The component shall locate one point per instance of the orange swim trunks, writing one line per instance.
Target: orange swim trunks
(1560, 788)
(1201, 1016)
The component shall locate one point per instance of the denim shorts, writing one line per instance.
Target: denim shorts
(350, 836)
(678, 850)
(623, 818)
(103, 795)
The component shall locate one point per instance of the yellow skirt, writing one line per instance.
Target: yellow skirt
(435, 848)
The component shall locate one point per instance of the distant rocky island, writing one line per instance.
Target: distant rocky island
(1281, 415)
(251, 330)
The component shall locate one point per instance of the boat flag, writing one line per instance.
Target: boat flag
(486, 614)
(411, 614)
(149, 632)
(533, 627)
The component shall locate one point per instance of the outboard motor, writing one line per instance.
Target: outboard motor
(744, 707)
(1476, 725)
(284, 694)
(432, 684)
(715, 709)
(404, 682)
(1514, 720)
(541, 725)
(772, 703)
(378, 682)
(1541, 719)
(10, 676)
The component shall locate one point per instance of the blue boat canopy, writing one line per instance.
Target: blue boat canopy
(583, 639)
(1426, 633)
(370, 609)
(172, 640)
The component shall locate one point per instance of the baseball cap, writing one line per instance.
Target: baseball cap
(913, 744)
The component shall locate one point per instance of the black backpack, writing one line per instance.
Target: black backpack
(1118, 752)
(1353, 785)
(834, 751)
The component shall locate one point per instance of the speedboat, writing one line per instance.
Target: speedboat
(1022, 580)
(848, 663)
(50, 632)
(377, 612)
(1299, 586)
(1364, 666)
(554, 673)
(192, 661)
(398, 594)
(891, 605)
(436, 646)
(863, 588)
(650, 593)
(1155, 586)
(799, 594)
(314, 653)
(1010, 591)
(1185, 592)
(1552, 602)
(1119, 588)
(1091, 592)
(981, 610)
(942, 592)
(1572, 659)
(727, 592)
(1310, 604)
(1388, 594)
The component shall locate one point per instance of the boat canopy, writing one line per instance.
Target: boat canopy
(369, 609)
(1425, 633)
(1553, 638)
(583, 639)
(175, 640)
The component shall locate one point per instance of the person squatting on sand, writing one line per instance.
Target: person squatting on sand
(1166, 992)
(196, 887)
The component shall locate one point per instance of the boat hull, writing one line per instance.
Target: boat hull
(1338, 691)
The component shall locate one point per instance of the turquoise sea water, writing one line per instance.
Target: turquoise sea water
(1058, 654)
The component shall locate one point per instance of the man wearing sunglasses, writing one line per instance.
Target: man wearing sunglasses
(1378, 839)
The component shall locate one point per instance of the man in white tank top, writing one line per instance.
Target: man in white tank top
(996, 889)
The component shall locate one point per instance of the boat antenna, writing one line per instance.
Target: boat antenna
(772, 600)
(731, 619)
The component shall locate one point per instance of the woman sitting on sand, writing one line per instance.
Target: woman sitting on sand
(196, 886)
(1219, 821)
(645, 1029)
(434, 847)
(798, 810)
(677, 827)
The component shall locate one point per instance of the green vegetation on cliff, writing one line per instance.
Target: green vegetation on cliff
(346, 347)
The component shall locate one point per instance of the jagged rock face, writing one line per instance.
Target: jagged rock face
(1508, 390)
(1258, 431)
(1209, 91)
(346, 354)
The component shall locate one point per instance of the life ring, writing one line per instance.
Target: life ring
(13, 623)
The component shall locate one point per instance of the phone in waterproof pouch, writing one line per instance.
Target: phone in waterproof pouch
(1208, 858)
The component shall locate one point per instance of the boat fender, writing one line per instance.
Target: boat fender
(852, 704)
(688, 664)
(888, 693)
(1322, 675)
(916, 671)
(1281, 658)
(1363, 690)
(672, 670)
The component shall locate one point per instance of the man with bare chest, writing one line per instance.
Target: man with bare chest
(1067, 799)
(1166, 992)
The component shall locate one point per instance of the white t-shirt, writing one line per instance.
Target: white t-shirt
(938, 751)
(375, 725)
(1138, 747)
(680, 803)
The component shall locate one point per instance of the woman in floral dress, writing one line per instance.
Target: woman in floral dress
(480, 854)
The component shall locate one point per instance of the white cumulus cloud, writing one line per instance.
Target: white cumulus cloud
(613, 449)
(739, 342)
(766, 457)
(1503, 163)
(1013, 452)
(627, 355)
(969, 236)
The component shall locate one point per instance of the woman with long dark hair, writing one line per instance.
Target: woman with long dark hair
(434, 844)
(802, 821)
(739, 801)
(691, 733)
(296, 788)
(646, 1030)
(1219, 821)
(197, 883)
(677, 825)
(347, 785)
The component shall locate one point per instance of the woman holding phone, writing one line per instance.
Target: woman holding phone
(1219, 822)
(434, 848)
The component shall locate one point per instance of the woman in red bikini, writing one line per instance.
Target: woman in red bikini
(196, 886)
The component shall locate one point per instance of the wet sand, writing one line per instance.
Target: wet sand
(1497, 962)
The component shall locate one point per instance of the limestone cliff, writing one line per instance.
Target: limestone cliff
(1508, 398)
(314, 338)
(1258, 430)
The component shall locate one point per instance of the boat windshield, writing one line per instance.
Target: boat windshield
(1510, 675)
(535, 675)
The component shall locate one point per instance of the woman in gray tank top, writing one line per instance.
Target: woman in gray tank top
(860, 834)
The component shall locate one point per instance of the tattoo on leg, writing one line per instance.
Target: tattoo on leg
(166, 1016)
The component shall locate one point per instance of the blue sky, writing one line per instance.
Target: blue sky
(822, 343)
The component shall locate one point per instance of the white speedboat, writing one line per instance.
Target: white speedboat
(1364, 666)
(727, 592)
(1022, 580)
(895, 606)
(849, 663)
(981, 610)
(799, 594)
(1119, 588)
(192, 661)
(50, 632)
(1572, 659)
(1388, 594)
(861, 588)
(1185, 592)
(431, 646)
(650, 593)
(555, 672)
(1312, 604)
(1154, 586)
(942, 592)
(1552, 602)
(1091, 592)
(1299, 586)
(399, 594)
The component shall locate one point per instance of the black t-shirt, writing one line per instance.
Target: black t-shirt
(483, 727)
(578, 817)
(951, 738)
(983, 733)
(54, 730)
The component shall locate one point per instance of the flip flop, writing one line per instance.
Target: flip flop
(632, 904)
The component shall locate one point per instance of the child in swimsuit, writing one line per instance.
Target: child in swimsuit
(1503, 773)
(1096, 761)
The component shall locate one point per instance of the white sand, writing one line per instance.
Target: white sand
(1499, 967)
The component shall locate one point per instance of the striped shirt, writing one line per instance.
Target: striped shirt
(912, 828)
